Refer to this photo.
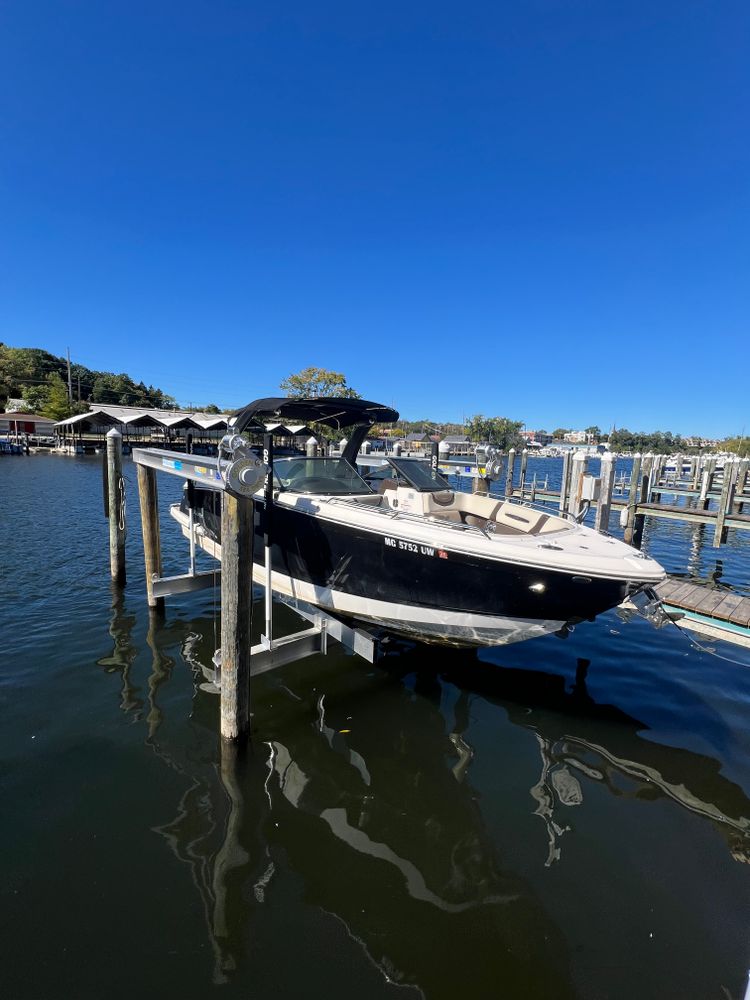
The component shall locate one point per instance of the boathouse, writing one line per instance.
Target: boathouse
(16, 424)
(176, 429)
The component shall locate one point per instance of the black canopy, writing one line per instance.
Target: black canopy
(333, 411)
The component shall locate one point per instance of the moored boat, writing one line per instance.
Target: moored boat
(407, 553)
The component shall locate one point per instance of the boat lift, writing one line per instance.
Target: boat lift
(236, 473)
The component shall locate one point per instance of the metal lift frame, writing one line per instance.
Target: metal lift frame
(210, 473)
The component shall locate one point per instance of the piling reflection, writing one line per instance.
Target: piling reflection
(124, 652)
(161, 671)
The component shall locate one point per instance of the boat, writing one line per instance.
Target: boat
(402, 551)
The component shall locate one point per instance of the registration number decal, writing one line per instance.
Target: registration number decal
(418, 550)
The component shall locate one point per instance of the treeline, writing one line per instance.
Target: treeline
(658, 442)
(40, 380)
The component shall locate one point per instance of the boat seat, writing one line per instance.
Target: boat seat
(524, 519)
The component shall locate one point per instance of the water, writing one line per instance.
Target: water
(554, 819)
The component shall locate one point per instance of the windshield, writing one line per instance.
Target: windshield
(329, 476)
(419, 474)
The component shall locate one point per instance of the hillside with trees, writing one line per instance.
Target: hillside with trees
(40, 380)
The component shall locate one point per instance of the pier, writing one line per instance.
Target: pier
(710, 610)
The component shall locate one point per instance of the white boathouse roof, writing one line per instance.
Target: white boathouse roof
(138, 416)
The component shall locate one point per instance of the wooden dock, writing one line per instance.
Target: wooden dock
(710, 610)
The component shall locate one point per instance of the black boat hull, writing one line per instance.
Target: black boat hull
(425, 592)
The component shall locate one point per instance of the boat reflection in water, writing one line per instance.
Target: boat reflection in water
(360, 793)
(579, 739)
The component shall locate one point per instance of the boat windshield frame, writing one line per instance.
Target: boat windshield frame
(427, 480)
(319, 476)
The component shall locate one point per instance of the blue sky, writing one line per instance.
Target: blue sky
(536, 210)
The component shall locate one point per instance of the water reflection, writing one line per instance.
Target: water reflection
(161, 670)
(389, 835)
(363, 785)
(601, 743)
(124, 652)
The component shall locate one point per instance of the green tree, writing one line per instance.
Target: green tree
(500, 431)
(594, 431)
(657, 442)
(560, 433)
(57, 406)
(318, 382)
(36, 397)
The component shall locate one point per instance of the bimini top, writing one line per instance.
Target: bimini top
(332, 411)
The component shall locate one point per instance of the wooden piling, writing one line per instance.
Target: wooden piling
(707, 482)
(578, 470)
(524, 461)
(695, 471)
(564, 482)
(678, 470)
(604, 506)
(236, 607)
(635, 476)
(647, 468)
(116, 506)
(148, 496)
(725, 501)
(105, 483)
(509, 473)
(741, 485)
(657, 464)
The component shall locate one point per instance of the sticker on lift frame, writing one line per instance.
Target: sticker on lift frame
(171, 463)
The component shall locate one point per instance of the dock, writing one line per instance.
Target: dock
(711, 611)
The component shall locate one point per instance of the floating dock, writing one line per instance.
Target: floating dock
(709, 610)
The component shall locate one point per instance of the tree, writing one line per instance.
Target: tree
(560, 433)
(36, 397)
(594, 432)
(500, 431)
(318, 382)
(57, 407)
(658, 442)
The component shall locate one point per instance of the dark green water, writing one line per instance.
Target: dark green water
(557, 819)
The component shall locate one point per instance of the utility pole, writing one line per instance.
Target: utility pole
(70, 384)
